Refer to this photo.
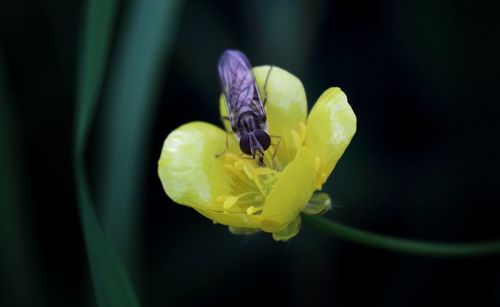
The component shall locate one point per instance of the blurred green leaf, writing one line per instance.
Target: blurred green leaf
(96, 40)
(16, 253)
(143, 46)
(111, 283)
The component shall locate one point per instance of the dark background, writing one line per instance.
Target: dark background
(422, 78)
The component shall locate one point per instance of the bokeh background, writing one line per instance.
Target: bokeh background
(422, 77)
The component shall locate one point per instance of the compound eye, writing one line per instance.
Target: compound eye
(245, 144)
(263, 138)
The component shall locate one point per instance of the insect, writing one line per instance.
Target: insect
(244, 103)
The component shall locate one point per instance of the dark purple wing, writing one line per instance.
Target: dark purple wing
(239, 86)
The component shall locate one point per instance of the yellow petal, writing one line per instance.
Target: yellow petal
(291, 192)
(238, 220)
(189, 170)
(330, 128)
(286, 108)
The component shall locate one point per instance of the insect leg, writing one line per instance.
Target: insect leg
(277, 145)
(245, 156)
(265, 85)
(224, 118)
(227, 146)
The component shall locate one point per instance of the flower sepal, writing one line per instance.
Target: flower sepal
(319, 203)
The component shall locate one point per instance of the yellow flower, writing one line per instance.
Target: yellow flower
(232, 189)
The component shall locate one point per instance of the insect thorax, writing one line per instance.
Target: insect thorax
(249, 122)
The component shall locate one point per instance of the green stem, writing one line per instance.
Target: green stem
(401, 245)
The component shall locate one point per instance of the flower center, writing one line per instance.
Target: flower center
(250, 183)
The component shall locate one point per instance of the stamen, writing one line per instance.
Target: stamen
(263, 171)
(221, 199)
(252, 174)
(239, 165)
(250, 185)
(248, 171)
(237, 175)
(229, 202)
(251, 210)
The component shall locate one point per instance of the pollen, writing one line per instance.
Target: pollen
(250, 185)
(251, 210)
